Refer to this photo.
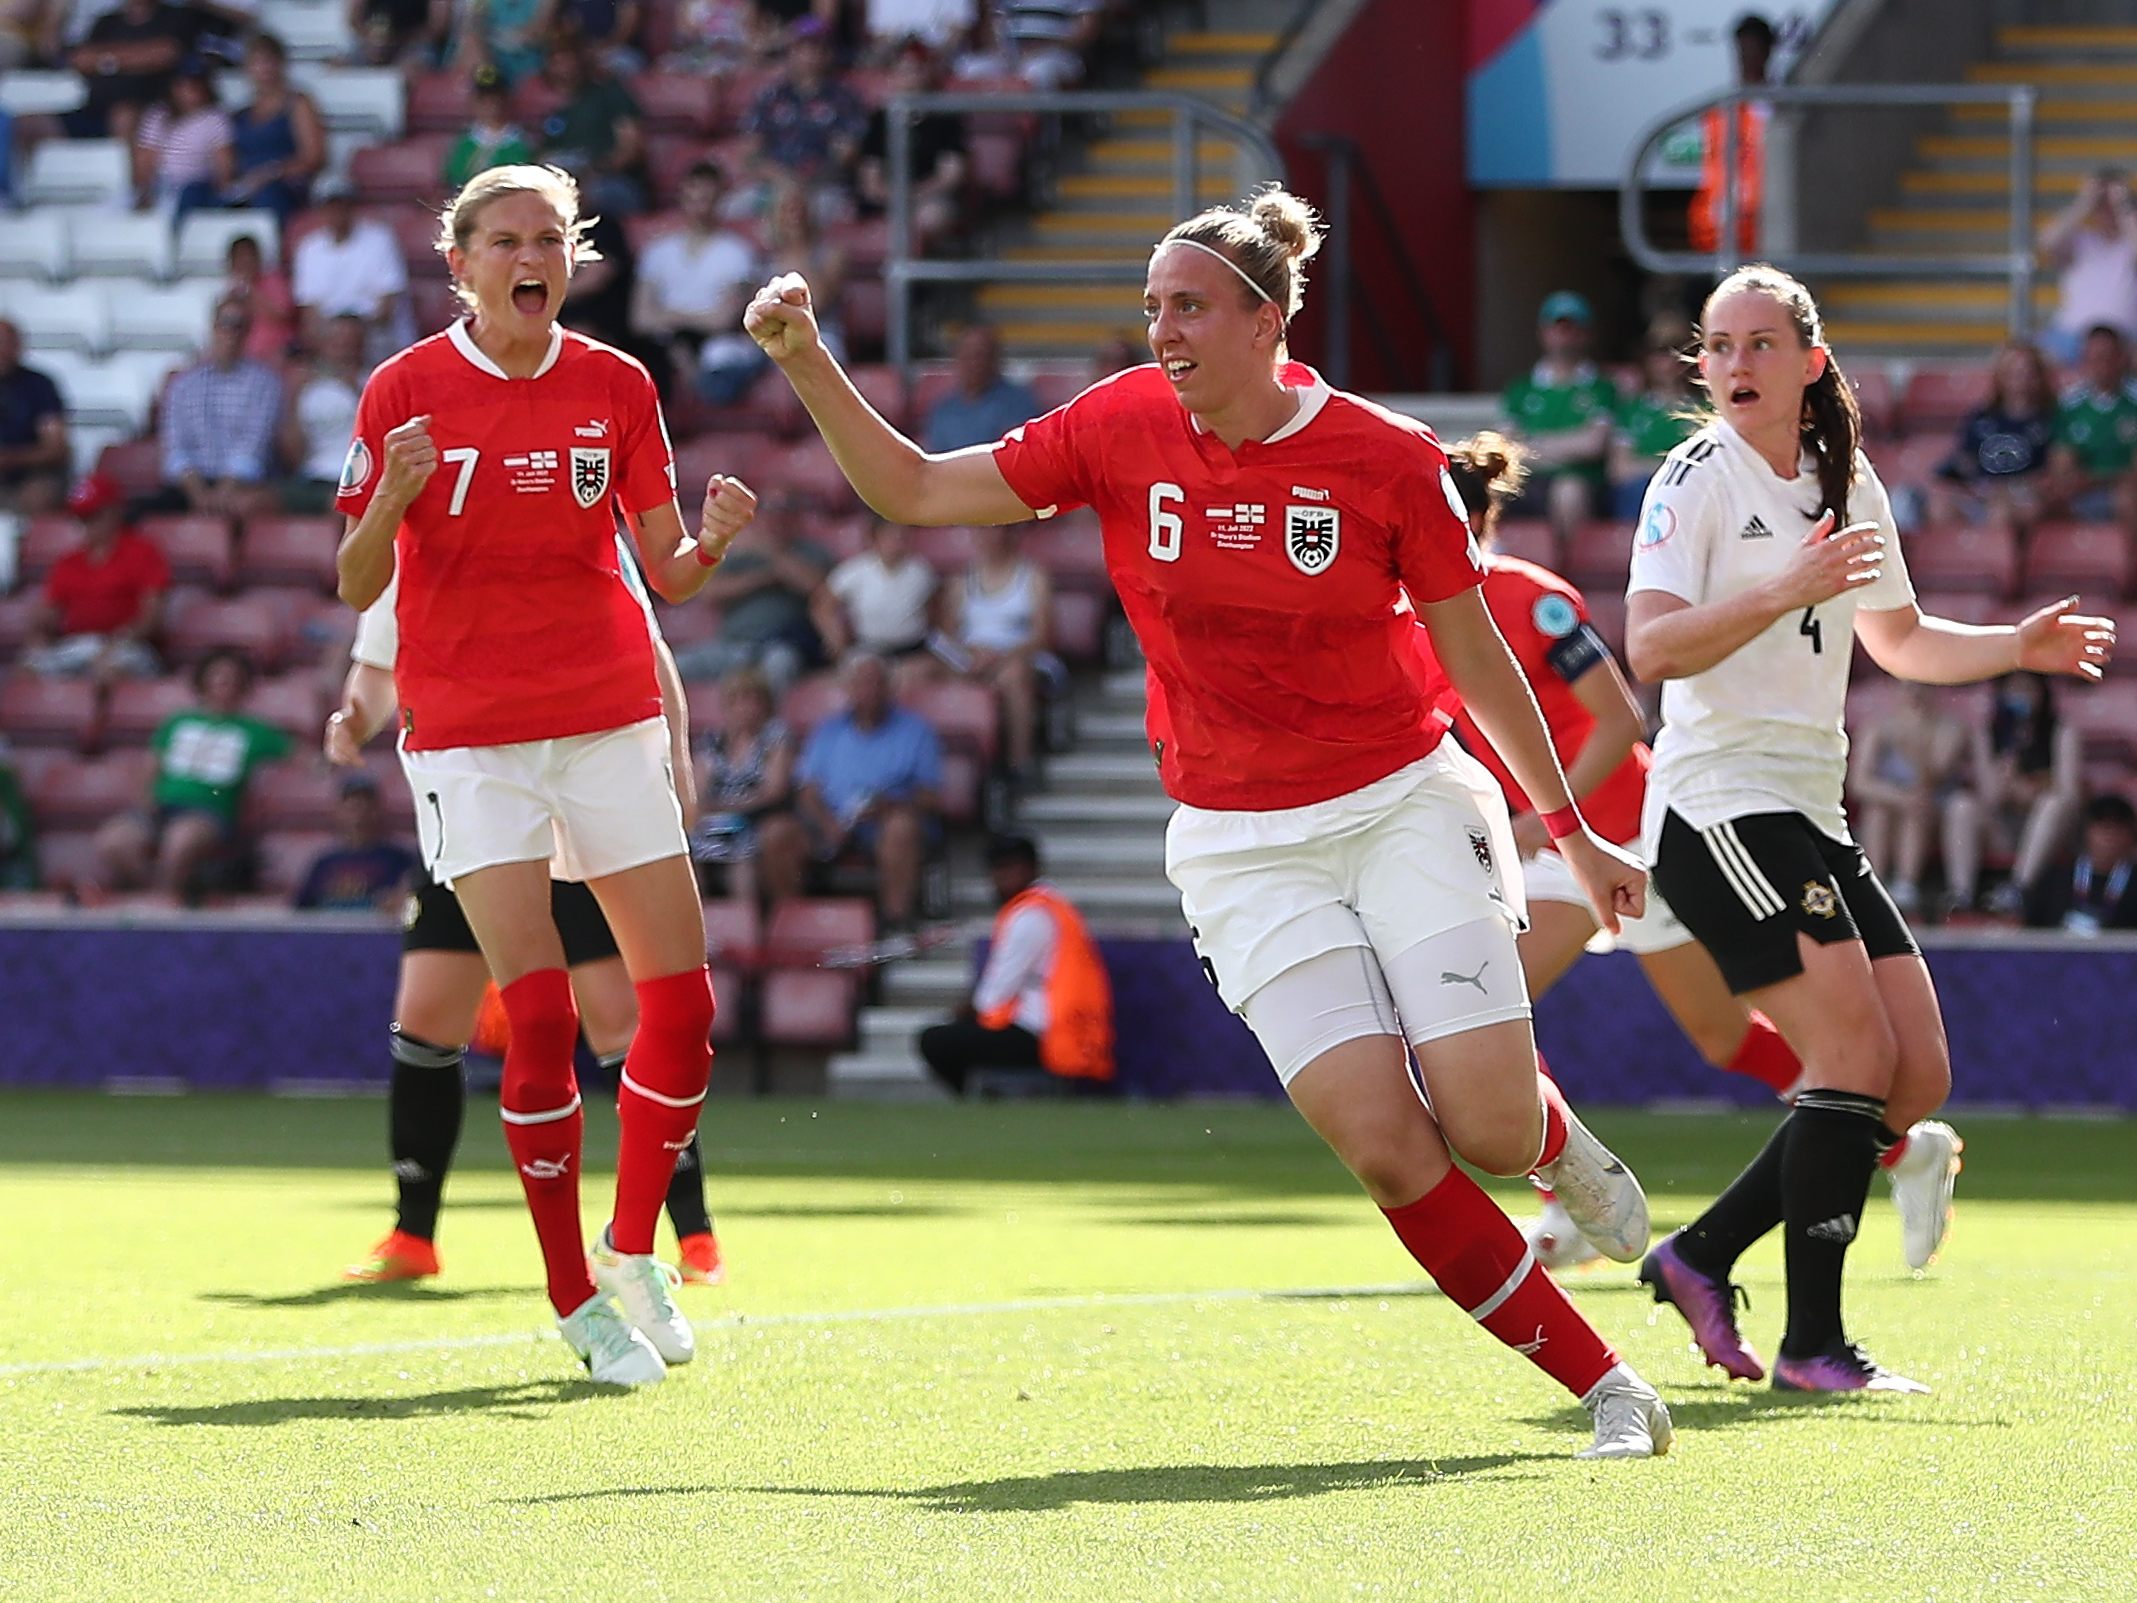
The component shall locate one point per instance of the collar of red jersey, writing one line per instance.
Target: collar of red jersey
(464, 343)
(1313, 395)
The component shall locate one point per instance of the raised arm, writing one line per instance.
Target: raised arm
(364, 561)
(677, 566)
(1910, 644)
(894, 476)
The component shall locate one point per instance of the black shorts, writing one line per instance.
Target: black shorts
(1747, 887)
(433, 922)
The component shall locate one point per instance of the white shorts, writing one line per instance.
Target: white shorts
(1425, 850)
(1656, 930)
(593, 804)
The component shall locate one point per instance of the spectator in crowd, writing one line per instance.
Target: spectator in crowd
(220, 417)
(716, 36)
(868, 781)
(102, 601)
(321, 417)
(492, 138)
(2027, 782)
(985, 403)
(279, 136)
(2091, 246)
(505, 34)
(1116, 353)
(996, 619)
(694, 280)
(763, 588)
(23, 25)
(34, 448)
(1904, 774)
(126, 61)
(939, 162)
(183, 158)
(1655, 421)
(1754, 40)
(352, 265)
(728, 364)
(604, 282)
(892, 25)
(806, 128)
(264, 293)
(204, 758)
(18, 831)
(2092, 467)
(1563, 410)
(1997, 464)
(1042, 1008)
(595, 131)
(880, 601)
(2096, 890)
(363, 871)
(401, 33)
(1046, 42)
(746, 794)
(609, 29)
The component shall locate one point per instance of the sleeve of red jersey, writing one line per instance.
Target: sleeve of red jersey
(1047, 462)
(381, 409)
(645, 472)
(1435, 554)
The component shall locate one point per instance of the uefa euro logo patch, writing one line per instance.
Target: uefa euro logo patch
(589, 474)
(1312, 536)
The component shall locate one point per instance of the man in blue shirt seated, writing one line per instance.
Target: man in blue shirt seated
(985, 405)
(366, 872)
(867, 785)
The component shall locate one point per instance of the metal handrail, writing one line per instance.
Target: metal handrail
(1263, 95)
(903, 269)
(2016, 262)
(1347, 166)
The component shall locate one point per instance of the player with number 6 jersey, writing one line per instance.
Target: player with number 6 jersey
(491, 466)
(1348, 876)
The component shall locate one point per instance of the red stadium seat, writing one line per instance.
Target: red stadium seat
(1962, 608)
(289, 550)
(1606, 610)
(809, 1007)
(866, 242)
(997, 164)
(864, 305)
(293, 702)
(1940, 397)
(1874, 397)
(882, 388)
(1913, 460)
(1964, 557)
(692, 624)
(439, 102)
(810, 471)
(38, 711)
(1530, 539)
(840, 536)
(947, 550)
(258, 624)
(802, 931)
(708, 710)
(676, 102)
(136, 464)
(1598, 555)
(1058, 389)
(285, 857)
(668, 158)
(2106, 714)
(730, 1004)
(962, 781)
(733, 933)
(67, 858)
(83, 792)
(197, 545)
(739, 90)
(50, 536)
(534, 98)
(808, 702)
(965, 713)
(295, 793)
(408, 171)
(17, 614)
(1069, 546)
(434, 303)
(139, 706)
(1078, 626)
(745, 456)
(2090, 559)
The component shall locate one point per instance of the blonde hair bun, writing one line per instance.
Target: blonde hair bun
(1287, 220)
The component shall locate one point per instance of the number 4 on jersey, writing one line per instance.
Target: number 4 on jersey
(1813, 630)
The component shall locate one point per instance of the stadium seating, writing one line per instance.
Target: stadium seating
(50, 712)
(1964, 557)
(2091, 559)
(1598, 555)
(1078, 625)
(802, 932)
(139, 706)
(964, 713)
(276, 549)
(256, 623)
(1941, 397)
(296, 793)
(83, 792)
(121, 244)
(410, 170)
(78, 172)
(734, 935)
(1530, 539)
(808, 1007)
(197, 545)
(35, 245)
(136, 464)
(285, 857)
(204, 239)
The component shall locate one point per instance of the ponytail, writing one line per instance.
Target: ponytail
(1832, 431)
(1488, 470)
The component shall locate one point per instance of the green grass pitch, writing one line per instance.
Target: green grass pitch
(1022, 1352)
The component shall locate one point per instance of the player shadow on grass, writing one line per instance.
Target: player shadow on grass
(363, 1291)
(526, 1399)
(1701, 1406)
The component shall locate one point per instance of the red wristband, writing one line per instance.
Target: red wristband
(703, 560)
(1566, 821)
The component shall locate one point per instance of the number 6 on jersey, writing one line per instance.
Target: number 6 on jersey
(1165, 527)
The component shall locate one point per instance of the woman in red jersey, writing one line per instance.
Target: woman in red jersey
(489, 468)
(1596, 725)
(1349, 880)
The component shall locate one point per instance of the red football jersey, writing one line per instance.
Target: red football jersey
(1545, 622)
(1261, 582)
(515, 622)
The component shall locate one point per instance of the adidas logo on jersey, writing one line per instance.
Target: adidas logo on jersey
(1755, 530)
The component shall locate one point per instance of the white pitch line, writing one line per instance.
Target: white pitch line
(731, 1322)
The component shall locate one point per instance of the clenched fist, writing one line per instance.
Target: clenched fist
(782, 320)
(411, 458)
(729, 505)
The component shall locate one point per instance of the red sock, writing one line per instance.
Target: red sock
(1555, 1114)
(1479, 1260)
(1764, 1056)
(544, 1125)
(658, 1099)
(1893, 1153)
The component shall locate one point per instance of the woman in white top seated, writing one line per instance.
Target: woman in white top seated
(320, 418)
(997, 620)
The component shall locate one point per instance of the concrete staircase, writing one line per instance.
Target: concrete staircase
(1114, 198)
(1100, 822)
(1956, 195)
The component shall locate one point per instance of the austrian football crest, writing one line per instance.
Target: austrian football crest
(589, 474)
(1480, 843)
(1312, 536)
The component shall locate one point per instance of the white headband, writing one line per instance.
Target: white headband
(1237, 270)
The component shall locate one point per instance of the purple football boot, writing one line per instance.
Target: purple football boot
(1708, 1306)
(1841, 1367)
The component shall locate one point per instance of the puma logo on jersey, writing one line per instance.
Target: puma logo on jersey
(596, 430)
(1449, 977)
(1305, 494)
(546, 1168)
(1755, 530)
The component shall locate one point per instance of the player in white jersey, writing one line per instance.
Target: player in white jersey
(1766, 548)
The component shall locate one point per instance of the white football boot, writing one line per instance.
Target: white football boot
(1922, 1184)
(613, 1353)
(646, 1288)
(1630, 1419)
(1602, 1196)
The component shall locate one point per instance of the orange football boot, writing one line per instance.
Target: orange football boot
(700, 1255)
(399, 1257)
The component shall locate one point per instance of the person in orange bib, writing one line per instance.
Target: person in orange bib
(1043, 1005)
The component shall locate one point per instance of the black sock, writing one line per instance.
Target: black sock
(686, 1193)
(1740, 1215)
(1825, 1179)
(424, 1108)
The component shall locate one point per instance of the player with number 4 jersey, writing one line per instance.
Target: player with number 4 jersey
(1348, 876)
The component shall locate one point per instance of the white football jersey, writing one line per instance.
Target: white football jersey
(1761, 731)
(378, 631)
